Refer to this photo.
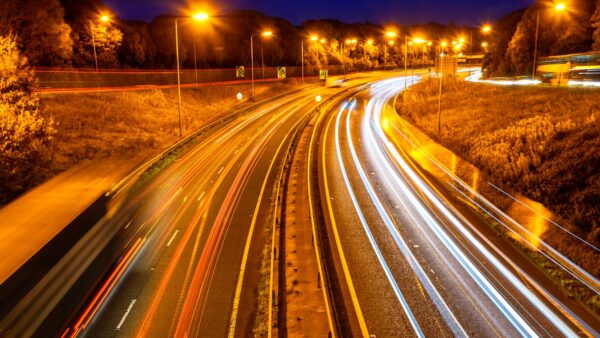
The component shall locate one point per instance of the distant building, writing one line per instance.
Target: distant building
(560, 69)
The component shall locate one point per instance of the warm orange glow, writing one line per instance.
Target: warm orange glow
(454, 43)
(104, 18)
(391, 34)
(370, 42)
(267, 34)
(461, 40)
(314, 38)
(444, 43)
(484, 44)
(419, 40)
(560, 6)
(354, 41)
(348, 41)
(429, 43)
(202, 16)
(392, 42)
(323, 40)
(410, 43)
(486, 28)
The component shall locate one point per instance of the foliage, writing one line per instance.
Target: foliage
(567, 32)
(543, 143)
(25, 136)
(596, 25)
(43, 34)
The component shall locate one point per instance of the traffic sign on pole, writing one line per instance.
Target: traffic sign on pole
(240, 72)
(281, 73)
(323, 74)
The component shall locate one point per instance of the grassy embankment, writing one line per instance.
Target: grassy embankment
(543, 143)
(133, 124)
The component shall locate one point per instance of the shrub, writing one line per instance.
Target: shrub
(25, 137)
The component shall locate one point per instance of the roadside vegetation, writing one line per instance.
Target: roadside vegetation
(540, 142)
(122, 125)
(25, 134)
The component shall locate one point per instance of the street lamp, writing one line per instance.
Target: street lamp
(263, 34)
(196, 17)
(559, 7)
(391, 35)
(103, 18)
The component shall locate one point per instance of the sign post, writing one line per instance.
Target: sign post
(281, 73)
(240, 72)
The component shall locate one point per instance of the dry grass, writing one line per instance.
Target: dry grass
(541, 142)
(134, 124)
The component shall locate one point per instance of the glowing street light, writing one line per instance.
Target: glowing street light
(391, 34)
(559, 7)
(370, 42)
(264, 34)
(323, 40)
(103, 18)
(314, 38)
(486, 29)
(202, 16)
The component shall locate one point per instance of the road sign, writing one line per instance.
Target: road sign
(240, 72)
(446, 65)
(323, 74)
(281, 73)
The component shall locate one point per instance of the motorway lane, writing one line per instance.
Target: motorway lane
(194, 219)
(453, 275)
(168, 281)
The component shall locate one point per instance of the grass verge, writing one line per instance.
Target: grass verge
(539, 142)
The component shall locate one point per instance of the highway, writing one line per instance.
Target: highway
(179, 254)
(413, 247)
(416, 259)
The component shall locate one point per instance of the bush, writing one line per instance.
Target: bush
(25, 137)
(540, 142)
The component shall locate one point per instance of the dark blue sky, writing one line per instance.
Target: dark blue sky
(377, 11)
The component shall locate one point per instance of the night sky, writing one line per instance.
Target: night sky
(377, 11)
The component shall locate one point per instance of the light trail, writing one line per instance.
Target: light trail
(382, 262)
(441, 305)
(382, 150)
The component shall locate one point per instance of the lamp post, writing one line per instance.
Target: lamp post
(196, 17)
(559, 7)
(263, 34)
(104, 19)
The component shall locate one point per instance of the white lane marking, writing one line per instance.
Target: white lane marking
(220, 170)
(201, 195)
(172, 238)
(126, 314)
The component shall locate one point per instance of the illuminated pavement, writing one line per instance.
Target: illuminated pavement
(414, 252)
(420, 261)
(196, 228)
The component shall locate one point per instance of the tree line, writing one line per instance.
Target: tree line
(53, 33)
(574, 30)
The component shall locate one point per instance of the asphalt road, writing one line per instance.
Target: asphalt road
(179, 254)
(196, 228)
(418, 262)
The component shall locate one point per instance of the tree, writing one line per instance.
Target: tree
(596, 25)
(44, 36)
(25, 136)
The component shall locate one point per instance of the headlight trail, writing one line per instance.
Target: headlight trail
(387, 158)
(384, 265)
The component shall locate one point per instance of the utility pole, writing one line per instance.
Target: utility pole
(302, 57)
(178, 77)
(252, 60)
(439, 124)
(537, 28)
